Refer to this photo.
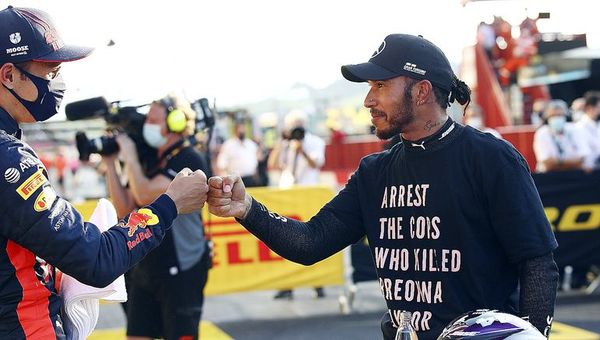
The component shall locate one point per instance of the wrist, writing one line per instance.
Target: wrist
(247, 206)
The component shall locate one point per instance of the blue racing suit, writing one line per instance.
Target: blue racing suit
(40, 232)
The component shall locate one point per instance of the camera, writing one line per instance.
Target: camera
(127, 119)
(297, 133)
(119, 119)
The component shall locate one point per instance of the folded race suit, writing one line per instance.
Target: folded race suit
(81, 303)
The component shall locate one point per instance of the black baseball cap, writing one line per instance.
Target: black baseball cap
(404, 55)
(29, 34)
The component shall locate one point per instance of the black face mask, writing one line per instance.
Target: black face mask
(241, 136)
(50, 95)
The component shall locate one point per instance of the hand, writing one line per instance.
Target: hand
(109, 160)
(127, 149)
(227, 197)
(188, 190)
(296, 145)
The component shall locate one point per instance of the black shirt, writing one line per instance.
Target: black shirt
(185, 242)
(447, 219)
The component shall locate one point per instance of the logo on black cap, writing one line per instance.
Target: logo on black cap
(15, 38)
(410, 67)
(379, 50)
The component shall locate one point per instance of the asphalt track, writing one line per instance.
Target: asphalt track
(256, 316)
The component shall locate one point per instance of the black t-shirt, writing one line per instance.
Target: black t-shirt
(185, 243)
(185, 157)
(448, 219)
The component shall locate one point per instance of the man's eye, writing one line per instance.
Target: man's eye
(379, 85)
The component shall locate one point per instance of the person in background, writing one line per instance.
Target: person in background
(166, 289)
(474, 119)
(577, 108)
(537, 113)
(556, 145)
(586, 128)
(41, 233)
(239, 155)
(299, 156)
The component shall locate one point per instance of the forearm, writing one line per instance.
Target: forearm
(302, 242)
(311, 162)
(555, 164)
(118, 194)
(273, 160)
(79, 249)
(140, 185)
(538, 281)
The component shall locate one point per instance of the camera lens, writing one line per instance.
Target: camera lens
(297, 133)
(103, 145)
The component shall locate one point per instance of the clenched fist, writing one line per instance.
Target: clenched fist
(227, 197)
(188, 190)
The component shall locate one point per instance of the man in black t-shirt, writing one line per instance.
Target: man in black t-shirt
(165, 290)
(452, 215)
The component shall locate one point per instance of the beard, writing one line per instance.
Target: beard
(402, 116)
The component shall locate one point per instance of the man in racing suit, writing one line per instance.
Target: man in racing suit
(38, 230)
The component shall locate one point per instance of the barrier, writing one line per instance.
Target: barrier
(243, 263)
(572, 204)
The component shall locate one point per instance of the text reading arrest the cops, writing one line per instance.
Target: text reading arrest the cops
(432, 258)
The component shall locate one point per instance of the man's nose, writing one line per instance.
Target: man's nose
(369, 101)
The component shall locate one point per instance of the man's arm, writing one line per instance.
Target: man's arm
(314, 152)
(538, 278)
(120, 197)
(522, 228)
(274, 160)
(143, 189)
(301, 242)
(556, 164)
(36, 219)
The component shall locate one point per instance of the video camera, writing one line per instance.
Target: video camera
(126, 119)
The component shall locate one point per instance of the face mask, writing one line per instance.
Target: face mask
(557, 123)
(241, 136)
(475, 122)
(152, 135)
(50, 95)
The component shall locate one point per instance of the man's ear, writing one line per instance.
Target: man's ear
(7, 75)
(423, 92)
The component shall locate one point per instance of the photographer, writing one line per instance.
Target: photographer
(299, 154)
(166, 287)
(40, 231)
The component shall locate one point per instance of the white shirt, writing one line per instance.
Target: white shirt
(238, 157)
(587, 130)
(547, 145)
(296, 170)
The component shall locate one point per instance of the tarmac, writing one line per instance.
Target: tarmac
(256, 315)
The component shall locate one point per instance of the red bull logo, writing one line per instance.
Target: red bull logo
(139, 219)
